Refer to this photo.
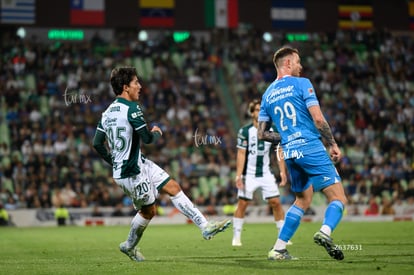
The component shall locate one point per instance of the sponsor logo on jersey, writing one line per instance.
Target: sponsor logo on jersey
(136, 114)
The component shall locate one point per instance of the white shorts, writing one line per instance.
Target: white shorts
(267, 184)
(143, 188)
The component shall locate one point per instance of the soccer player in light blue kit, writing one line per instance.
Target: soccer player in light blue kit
(291, 104)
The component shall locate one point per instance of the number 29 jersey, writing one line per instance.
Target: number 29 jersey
(285, 103)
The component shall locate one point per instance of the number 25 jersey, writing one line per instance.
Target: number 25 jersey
(120, 122)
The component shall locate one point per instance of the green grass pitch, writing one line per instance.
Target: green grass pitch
(371, 248)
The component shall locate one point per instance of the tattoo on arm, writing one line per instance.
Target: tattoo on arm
(326, 133)
(263, 133)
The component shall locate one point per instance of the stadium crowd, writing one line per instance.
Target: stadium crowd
(52, 95)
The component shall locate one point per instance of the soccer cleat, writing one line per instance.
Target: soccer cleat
(236, 242)
(213, 228)
(280, 255)
(324, 240)
(132, 253)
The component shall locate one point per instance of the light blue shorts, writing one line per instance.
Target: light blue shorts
(316, 169)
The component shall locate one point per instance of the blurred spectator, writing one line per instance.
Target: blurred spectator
(132, 211)
(118, 212)
(365, 86)
(228, 208)
(210, 210)
(409, 207)
(96, 212)
(410, 190)
(4, 216)
(373, 207)
(387, 207)
(352, 207)
(61, 214)
(68, 195)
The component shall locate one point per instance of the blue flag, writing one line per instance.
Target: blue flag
(288, 14)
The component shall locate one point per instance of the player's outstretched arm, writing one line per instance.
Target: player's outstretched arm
(264, 133)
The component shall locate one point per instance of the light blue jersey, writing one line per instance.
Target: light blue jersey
(285, 103)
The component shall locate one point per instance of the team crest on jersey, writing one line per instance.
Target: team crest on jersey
(145, 198)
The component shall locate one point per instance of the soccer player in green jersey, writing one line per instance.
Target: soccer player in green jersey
(253, 172)
(124, 128)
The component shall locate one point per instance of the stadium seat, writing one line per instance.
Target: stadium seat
(149, 67)
(203, 186)
(30, 82)
(195, 192)
(177, 58)
(139, 64)
(213, 182)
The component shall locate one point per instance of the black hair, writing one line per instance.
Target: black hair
(120, 77)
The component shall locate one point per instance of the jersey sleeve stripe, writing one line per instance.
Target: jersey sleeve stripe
(263, 118)
(100, 129)
(140, 127)
(312, 103)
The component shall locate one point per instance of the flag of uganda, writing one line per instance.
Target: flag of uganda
(358, 16)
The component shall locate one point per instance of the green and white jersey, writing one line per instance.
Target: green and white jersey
(120, 123)
(258, 151)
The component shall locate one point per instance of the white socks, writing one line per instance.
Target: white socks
(186, 207)
(182, 203)
(237, 227)
(279, 225)
(138, 226)
(326, 229)
(280, 244)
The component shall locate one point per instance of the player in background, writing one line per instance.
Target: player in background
(291, 104)
(123, 127)
(253, 172)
